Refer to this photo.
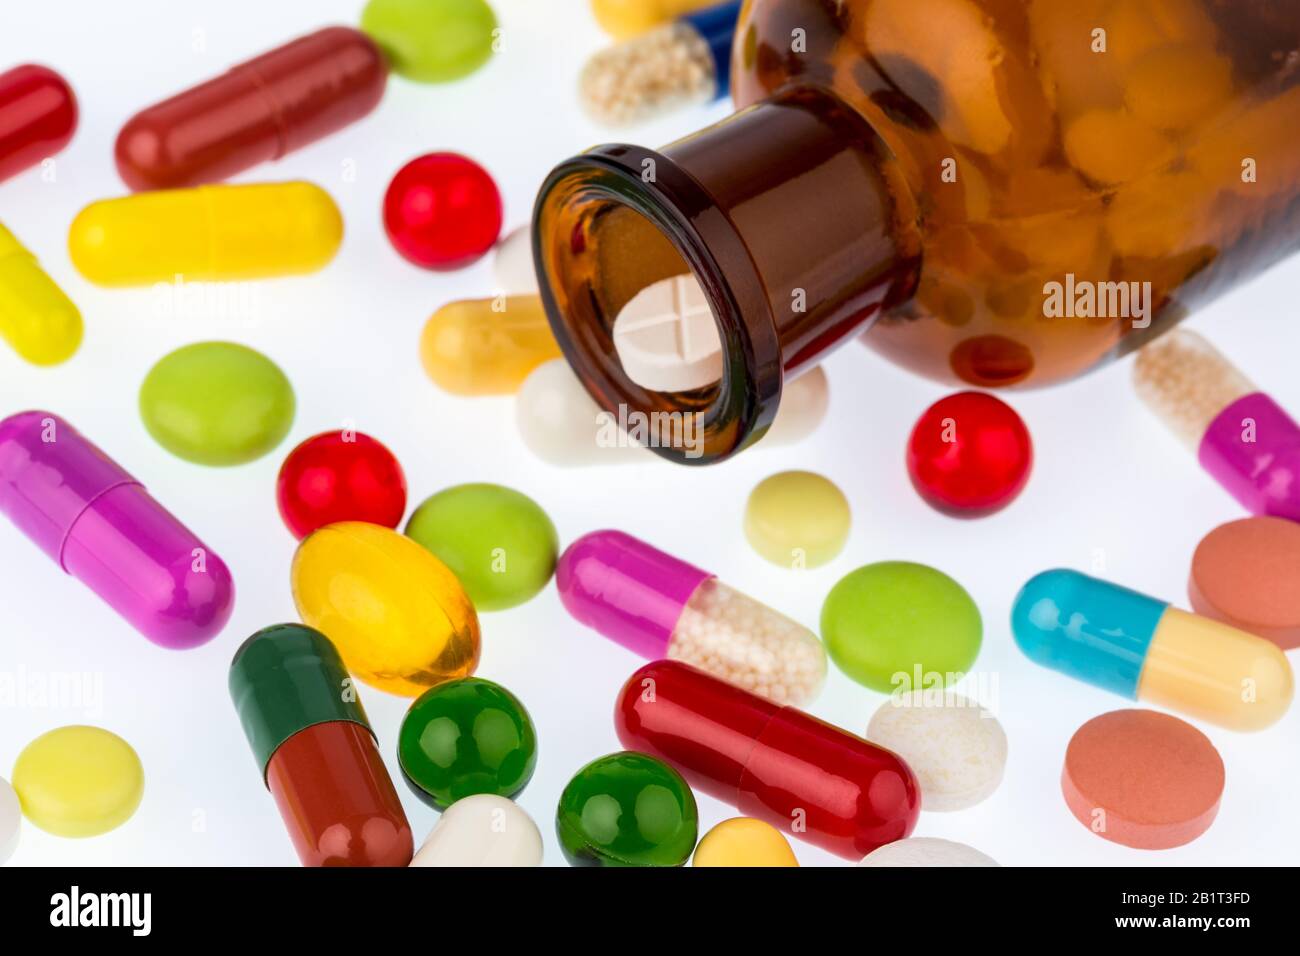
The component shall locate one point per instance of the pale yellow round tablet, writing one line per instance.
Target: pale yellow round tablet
(926, 851)
(797, 519)
(743, 841)
(956, 748)
(78, 781)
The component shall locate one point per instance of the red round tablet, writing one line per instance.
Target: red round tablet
(442, 211)
(969, 455)
(340, 476)
(1143, 779)
(1247, 573)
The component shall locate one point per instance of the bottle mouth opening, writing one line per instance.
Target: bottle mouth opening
(612, 222)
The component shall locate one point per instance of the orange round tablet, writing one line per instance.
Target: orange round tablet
(1247, 573)
(1143, 779)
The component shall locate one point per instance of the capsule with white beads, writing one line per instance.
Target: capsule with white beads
(661, 607)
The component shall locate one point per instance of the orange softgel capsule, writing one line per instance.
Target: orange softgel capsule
(1142, 779)
(398, 616)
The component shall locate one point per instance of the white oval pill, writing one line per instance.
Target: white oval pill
(561, 424)
(926, 851)
(956, 748)
(482, 830)
(512, 263)
(11, 819)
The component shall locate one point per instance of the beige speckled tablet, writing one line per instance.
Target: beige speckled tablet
(956, 748)
(926, 851)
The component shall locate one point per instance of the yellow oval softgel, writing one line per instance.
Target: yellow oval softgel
(36, 318)
(78, 781)
(744, 842)
(487, 346)
(797, 519)
(206, 233)
(399, 618)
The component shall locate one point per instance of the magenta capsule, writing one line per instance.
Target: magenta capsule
(658, 606)
(254, 112)
(103, 528)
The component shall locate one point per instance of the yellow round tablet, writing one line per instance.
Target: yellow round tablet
(744, 842)
(78, 781)
(797, 519)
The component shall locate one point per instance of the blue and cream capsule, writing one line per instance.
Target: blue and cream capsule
(1144, 649)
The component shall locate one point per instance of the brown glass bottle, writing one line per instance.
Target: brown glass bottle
(1005, 192)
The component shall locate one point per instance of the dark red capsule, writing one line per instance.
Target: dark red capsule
(38, 115)
(255, 112)
(774, 763)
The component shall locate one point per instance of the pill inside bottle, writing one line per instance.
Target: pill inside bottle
(661, 607)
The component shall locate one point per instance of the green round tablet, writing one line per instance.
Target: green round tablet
(896, 625)
(432, 41)
(217, 403)
(499, 542)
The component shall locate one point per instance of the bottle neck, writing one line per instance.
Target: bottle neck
(795, 220)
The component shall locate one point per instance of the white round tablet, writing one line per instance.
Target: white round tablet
(667, 339)
(11, 820)
(926, 851)
(512, 264)
(956, 748)
(482, 830)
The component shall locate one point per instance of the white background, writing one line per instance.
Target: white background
(1109, 485)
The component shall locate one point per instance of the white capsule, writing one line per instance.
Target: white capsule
(562, 425)
(926, 851)
(512, 263)
(11, 819)
(482, 830)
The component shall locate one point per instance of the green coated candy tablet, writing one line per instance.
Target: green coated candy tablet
(217, 403)
(465, 737)
(896, 625)
(497, 541)
(432, 41)
(627, 809)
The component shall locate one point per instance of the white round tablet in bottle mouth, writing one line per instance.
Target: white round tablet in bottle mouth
(667, 338)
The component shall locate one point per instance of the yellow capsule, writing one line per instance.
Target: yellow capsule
(625, 18)
(487, 346)
(36, 318)
(78, 781)
(209, 233)
(744, 842)
(400, 619)
(1216, 672)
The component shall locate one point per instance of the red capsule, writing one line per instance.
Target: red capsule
(255, 112)
(38, 115)
(337, 799)
(775, 763)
